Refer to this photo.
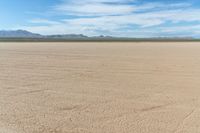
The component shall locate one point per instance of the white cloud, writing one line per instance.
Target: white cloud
(110, 7)
(95, 7)
(112, 17)
(43, 21)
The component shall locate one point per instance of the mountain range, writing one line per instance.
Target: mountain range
(18, 34)
(23, 35)
(27, 34)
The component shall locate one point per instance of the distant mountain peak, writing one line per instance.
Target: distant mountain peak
(18, 34)
(26, 34)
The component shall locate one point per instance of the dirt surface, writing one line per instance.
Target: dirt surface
(100, 87)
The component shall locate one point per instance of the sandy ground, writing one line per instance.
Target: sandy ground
(99, 87)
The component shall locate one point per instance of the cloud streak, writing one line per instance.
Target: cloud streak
(119, 18)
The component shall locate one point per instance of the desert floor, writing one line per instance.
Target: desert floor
(100, 87)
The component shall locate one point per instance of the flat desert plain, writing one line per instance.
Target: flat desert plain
(151, 87)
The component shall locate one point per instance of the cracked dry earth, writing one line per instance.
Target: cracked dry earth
(100, 87)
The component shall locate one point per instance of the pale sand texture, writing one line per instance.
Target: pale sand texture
(100, 87)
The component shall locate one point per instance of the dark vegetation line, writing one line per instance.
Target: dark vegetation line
(98, 40)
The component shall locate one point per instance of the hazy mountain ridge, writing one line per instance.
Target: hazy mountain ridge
(27, 34)
(23, 34)
(18, 34)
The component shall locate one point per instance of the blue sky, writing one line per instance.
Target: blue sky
(130, 18)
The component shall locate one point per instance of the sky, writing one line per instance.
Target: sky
(125, 18)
